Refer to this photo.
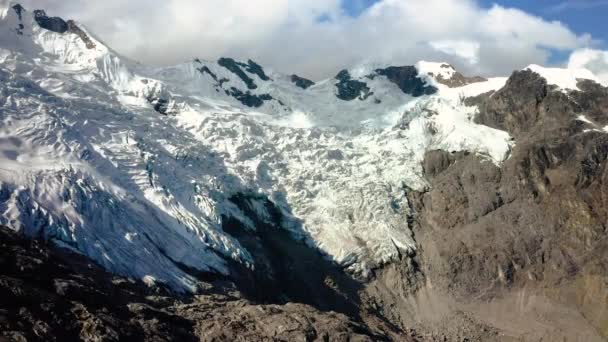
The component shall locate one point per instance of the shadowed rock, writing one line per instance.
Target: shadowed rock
(301, 82)
(160, 105)
(407, 79)
(205, 70)
(53, 295)
(54, 24)
(19, 11)
(235, 67)
(349, 89)
(256, 69)
(247, 98)
(457, 79)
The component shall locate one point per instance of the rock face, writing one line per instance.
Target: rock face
(456, 79)
(237, 68)
(406, 78)
(160, 105)
(57, 24)
(256, 69)
(54, 24)
(349, 89)
(248, 99)
(534, 227)
(19, 11)
(241, 69)
(459, 80)
(302, 82)
(516, 107)
(73, 28)
(205, 70)
(53, 295)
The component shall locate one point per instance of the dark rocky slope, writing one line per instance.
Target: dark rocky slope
(522, 248)
(407, 79)
(301, 82)
(53, 295)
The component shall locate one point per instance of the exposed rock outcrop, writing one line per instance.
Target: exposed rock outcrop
(533, 228)
(205, 70)
(238, 67)
(54, 295)
(159, 104)
(235, 67)
(349, 89)
(73, 28)
(255, 68)
(247, 98)
(459, 80)
(57, 24)
(516, 107)
(301, 82)
(19, 11)
(54, 24)
(407, 79)
(456, 79)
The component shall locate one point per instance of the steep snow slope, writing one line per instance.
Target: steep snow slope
(135, 166)
(565, 79)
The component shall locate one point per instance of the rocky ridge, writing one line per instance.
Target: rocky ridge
(52, 295)
(531, 229)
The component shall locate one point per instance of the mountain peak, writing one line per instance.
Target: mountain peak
(55, 24)
(22, 19)
(18, 10)
(446, 74)
(564, 78)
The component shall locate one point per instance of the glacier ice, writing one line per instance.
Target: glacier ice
(88, 163)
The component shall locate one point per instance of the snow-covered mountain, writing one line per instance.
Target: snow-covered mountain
(138, 167)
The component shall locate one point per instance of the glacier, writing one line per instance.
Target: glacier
(134, 166)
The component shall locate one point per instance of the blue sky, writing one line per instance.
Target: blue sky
(355, 7)
(581, 16)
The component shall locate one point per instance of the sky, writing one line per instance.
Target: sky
(317, 38)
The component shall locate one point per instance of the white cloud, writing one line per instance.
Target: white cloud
(594, 60)
(289, 35)
(466, 49)
(506, 24)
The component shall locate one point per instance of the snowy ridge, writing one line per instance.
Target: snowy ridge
(565, 79)
(434, 69)
(89, 185)
(135, 166)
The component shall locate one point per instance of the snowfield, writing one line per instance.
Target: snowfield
(135, 166)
